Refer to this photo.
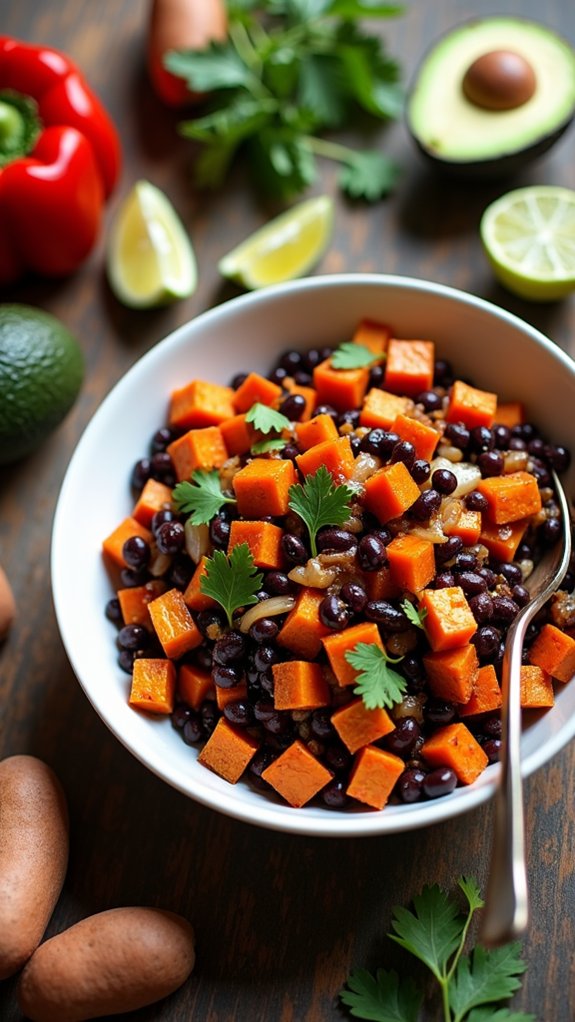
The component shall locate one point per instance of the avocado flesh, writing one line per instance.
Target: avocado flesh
(453, 131)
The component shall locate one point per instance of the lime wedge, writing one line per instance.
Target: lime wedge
(529, 238)
(150, 259)
(286, 247)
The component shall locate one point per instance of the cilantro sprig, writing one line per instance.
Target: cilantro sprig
(266, 419)
(354, 356)
(288, 72)
(320, 502)
(377, 683)
(202, 498)
(414, 614)
(232, 580)
(472, 987)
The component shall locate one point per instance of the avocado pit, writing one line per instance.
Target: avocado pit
(499, 80)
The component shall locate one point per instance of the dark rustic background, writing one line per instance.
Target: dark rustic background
(280, 920)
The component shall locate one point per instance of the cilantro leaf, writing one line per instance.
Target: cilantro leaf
(232, 580)
(485, 977)
(281, 161)
(354, 356)
(499, 1015)
(377, 682)
(263, 446)
(320, 502)
(432, 931)
(266, 419)
(380, 997)
(203, 496)
(218, 66)
(472, 893)
(416, 616)
(321, 89)
(368, 175)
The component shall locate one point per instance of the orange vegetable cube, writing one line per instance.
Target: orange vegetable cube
(315, 431)
(238, 435)
(154, 497)
(424, 438)
(510, 413)
(228, 751)
(467, 527)
(372, 335)
(302, 630)
(335, 455)
(113, 544)
(409, 366)
(135, 599)
(337, 644)
(255, 389)
(173, 624)
(471, 406)
(452, 673)
(390, 491)
(411, 562)
(380, 408)
(194, 598)
(454, 746)
(340, 388)
(374, 775)
(198, 448)
(449, 621)
(510, 497)
(194, 685)
(502, 540)
(357, 726)
(153, 685)
(263, 539)
(299, 685)
(200, 404)
(485, 695)
(235, 694)
(309, 395)
(297, 775)
(262, 487)
(379, 585)
(554, 651)
(536, 687)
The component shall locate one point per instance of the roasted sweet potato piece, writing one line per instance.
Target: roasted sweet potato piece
(154, 497)
(235, 694)
(113, 545)
(467, 527)
(357, 726)
(510, 413)
(335, 455)
(486, 693)
(510, 497)
(297, 775)
(255, 389)
(238, 435)
(173, 624)
(340, 388)
(302, 630)
(502, 540)
(337, 644)
(452, 673)
(309, 395)
(554, 651)
(262, 487)
(449, 621)
(380, 408)
(390, 491)
(194, 685)
(471, 406)
(135, 599)
(423, 437)
(454, 746)
(153, 685)
(300, 685)
(198, 448)
(194, 598)
(263, 539)
(199, 404)
(317, 430)
(374, 775)
(536, 687)
(372, 335)
(228, 751)
(409, 366)
(411, 562)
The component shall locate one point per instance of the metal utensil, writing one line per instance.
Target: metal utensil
(506, 912)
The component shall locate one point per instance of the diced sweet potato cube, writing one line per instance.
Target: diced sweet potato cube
(194, 685)
(390, 491)
(335, 455)
(372, 335)
(153, 685)
(315, 431)
(340, 388)
(467, 527)
(471, 406)
(554, 651)
(299, 685)
(173, 624)
(374, 775)
(297, 775)
(454, 746)
(262, 487)
(200, 404)
(194, 598)
(154, 497)
(510, 497)
(502, 540)
(228, 751)
(381, 408)
(238, 435)
(302, 630)
(255, 389)
(113, 544)
(486, 693)
(357, 726)
(452, 673)
(263, 539)
(337, 644)
(411, 562)
(379, 585)
(449, 621)
(409, 366)
(198, 448)
(135, 599)
(510, 413)
(536, 688)
(235, 694)
(424, 438)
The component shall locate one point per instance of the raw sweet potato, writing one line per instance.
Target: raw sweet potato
(554, 651)
(262, 487)
(423, 437)
(297, 775)
(263, 539)
(452, 673)
(510, 497)
(255, 389)
(317, 430)
(471, 406)
(502, 540)
(380, 408)
(173, 624)
(449, 621)
(390, 491)
(302, 630)
(193, 685)
(337, 644)
(200, 404)
(198, 448)
(299, 685)
(486, 693)
(536, 688)
(340, 388)
(153, 685)
(409, 366)
(154, 497)
(374, 775)
(454, 746)
(411, 562)
(113, 545)
(228, 751)
(357, 726)
(335, 455)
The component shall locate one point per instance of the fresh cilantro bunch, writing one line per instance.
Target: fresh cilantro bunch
(289, 71)
(472, 987)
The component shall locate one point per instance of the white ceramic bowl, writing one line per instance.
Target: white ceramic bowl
(493, 348)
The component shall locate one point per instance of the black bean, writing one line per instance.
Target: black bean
(490, 463)
(291, 361)
(550, 531)
(486, 640)
(113, 611)
(293, 548)
(133, 637)
(446, 551)
(161, 439)
(492, 749)
(438, 711)
(457, 434)
(444, 580)
(492, 727)
(379, 442)
(193, 730)
(403, 451)
(320, 723)
(471, 583)
(220, 531)
(371, 553)
(140, 473)
(264, 629)
(420, 470)
(521, 595)
(225, 677)
(209, 715)
(465, 561)
(430, 400)
(278, 583)
(229, 649)
(511, 573)
(388, 616)
(426, 505)
(210, 622)
(444, 481)
(481, 607)
(162, 468)
(335, 540)
(489, 576)
(557, 457)
(354, 595)
(376, 376)
(504, 609)
(349, 418)
(334, 794)
(442, 373)
(130, 577)
(501, 436)
(476, 501)
(180, 715)
(481, 439)
(170, 537)
(439, 782)
(165, 514)
(326, 410)
(293, 407)
(289, 451)
(181, 571)
(334, 613)
(409, 786)
(517, 444)
(402, 739)
(240, 713)
(337, 757)
(265, 657)
(277, 375)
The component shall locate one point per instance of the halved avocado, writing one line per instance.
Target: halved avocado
(454, 107)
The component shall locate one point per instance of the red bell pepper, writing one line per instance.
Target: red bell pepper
(59, 161)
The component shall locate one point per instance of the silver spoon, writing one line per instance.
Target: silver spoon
(506, 912)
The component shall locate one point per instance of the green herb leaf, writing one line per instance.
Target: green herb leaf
(470, 888)
(263, 446)
(233, 581)
(499, 1015)
(380, 997)
(202, 497)
(413, 613)
(432, 931)
(320, 502)
(363, 8)
(368, 175)
(485, 977)
(377, 683)
(219, 66)
(266, 419)
(354, 356)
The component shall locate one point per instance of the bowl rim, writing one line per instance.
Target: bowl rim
(271, 815)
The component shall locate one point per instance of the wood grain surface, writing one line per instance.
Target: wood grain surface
(280, 920)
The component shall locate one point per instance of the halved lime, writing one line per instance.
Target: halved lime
(286, 247)
(150, 259)
(529, 238)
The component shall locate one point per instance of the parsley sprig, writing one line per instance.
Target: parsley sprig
(288, 71)
(377, 683)
(232, 580)
(472, 987)
(203, 497)
(320, 502)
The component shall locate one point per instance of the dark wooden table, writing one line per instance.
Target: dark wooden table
(280, 920)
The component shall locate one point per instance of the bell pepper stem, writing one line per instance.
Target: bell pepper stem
(19, 126)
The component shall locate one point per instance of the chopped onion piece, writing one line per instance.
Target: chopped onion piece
(197, 540)
(467, 475)
(266, 608)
